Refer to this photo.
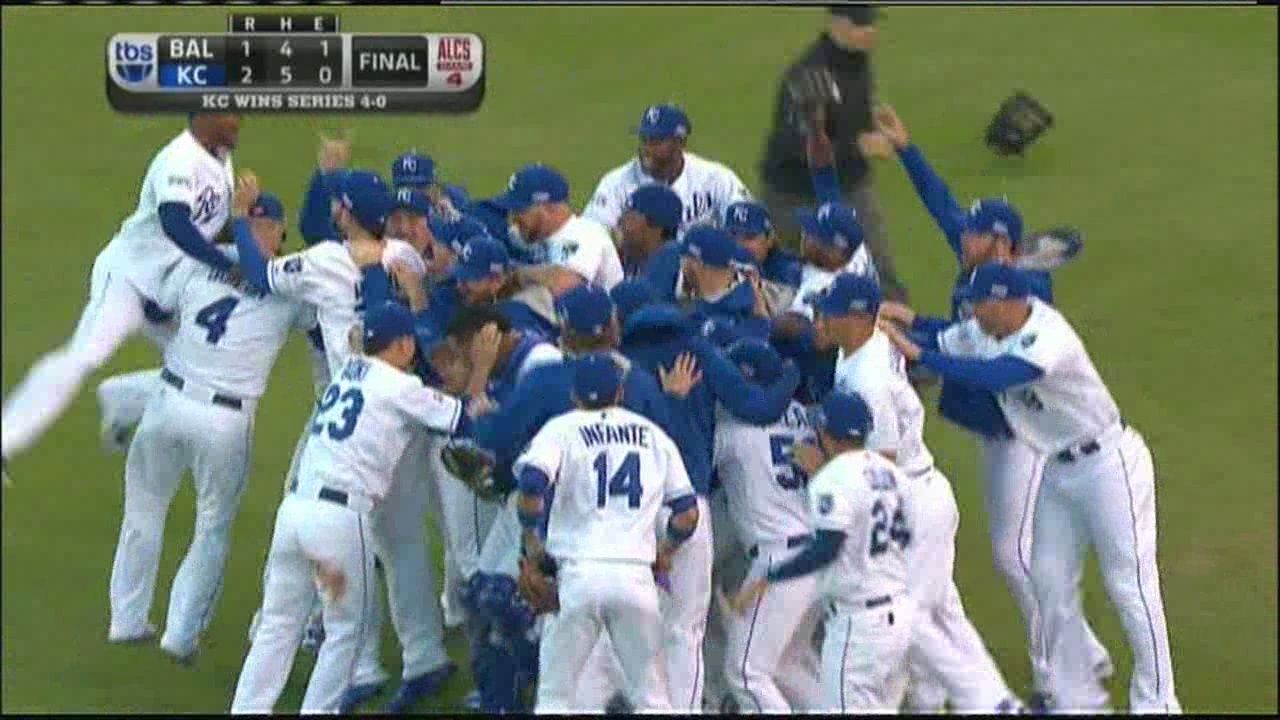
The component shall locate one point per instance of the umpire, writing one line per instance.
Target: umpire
(844, 48)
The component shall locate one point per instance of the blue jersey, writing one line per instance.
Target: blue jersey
(730, 317)
(971, 408)
(654, 337)
(660, 269)
(782, 267)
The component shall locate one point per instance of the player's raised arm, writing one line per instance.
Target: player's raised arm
(931, 188)
(759, 405)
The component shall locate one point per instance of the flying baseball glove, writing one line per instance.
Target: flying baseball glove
(1019, 121)
(809, 88)
(1049, 249)
(473, 465)
(537, 585)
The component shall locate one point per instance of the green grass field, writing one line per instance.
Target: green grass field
(1165, 154)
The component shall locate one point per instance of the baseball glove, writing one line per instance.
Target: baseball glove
(810, 88)
(1049, 249)
(1019, 121)
(537, 585)
(473, 465)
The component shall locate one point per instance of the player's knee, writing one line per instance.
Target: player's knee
(1007, 559)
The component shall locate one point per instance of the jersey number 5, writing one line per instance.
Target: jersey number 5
(787, 473)
(352, 403)
(213, 317)
(626, 481)
(884, 529)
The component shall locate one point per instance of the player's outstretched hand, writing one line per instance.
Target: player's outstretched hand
(875, 145)
(909, 349)
(682, 376)
(537, 589)
(410, 282)
(897, 312)
(334, 153)
(246, 194)
(891, 126)
(483, 350)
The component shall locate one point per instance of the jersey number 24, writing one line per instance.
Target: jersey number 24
(624, 481)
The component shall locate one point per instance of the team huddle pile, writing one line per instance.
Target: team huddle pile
(675, 466)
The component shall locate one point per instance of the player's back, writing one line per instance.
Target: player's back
(228, 337)
(878, 372)
(764, 488)
(325, 276)
(614, 474)
(361, 426)
(865, 496)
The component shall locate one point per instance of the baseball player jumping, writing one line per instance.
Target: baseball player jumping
(321, 536)
(1099, 482)
(184, 202)
(612, 471)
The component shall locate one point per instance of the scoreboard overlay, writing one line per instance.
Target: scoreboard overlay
(294, 63)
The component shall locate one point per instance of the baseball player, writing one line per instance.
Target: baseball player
(705, 187)
(612, 472)
(775, 271)
(579, 250)
(769, 663)
(719, 300)
(321, 536)
(1099, 482)
(215, 369)
(647, 227)
(184, 202)
(946, 649)
(991, 229)
(859, 505)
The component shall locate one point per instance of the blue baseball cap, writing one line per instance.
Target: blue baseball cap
(833, 224)
(844, 415)
(267, 206)
(596, 378)
(365, 195)
(480, 258)
(631, 295)
(994, 215)
(385, 324)
(711, 245)
(458, 197)
(413, 170)
(533, 184)
(660, 122)
(429, 337)
(849, 293)
(413, 200)
(747, 219)
(586, 310)
(659, 204)
(757, 359)
(456, 233)
(995, 281)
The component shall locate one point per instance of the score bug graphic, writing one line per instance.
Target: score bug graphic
(294, 63)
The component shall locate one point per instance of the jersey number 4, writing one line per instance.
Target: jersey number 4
(213, 317)
(625, 481)
(352, 402)
(885, 529)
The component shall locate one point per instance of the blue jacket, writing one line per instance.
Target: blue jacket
(729, 318)
(547, 392)
(969, 407)
(661, 270)
(653, 337)
(495, 219)
(781, 266)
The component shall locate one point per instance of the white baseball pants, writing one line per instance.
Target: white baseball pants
(616, 599)
(684, 612)
(1105, 500)
(180, 429)
(864, 655)
(317, 545)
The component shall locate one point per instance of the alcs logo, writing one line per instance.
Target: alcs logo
(132, 62)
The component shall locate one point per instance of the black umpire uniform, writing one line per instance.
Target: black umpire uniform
(785, 169)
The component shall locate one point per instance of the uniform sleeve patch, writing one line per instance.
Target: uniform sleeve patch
(1028, 340)
(292, 265)
(825, 503)
(182, 180)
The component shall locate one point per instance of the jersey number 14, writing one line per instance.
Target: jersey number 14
(624, 481)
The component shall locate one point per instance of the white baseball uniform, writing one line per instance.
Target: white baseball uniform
(813, 279)
(216, 368)
(764, 664)
(946, 649)
(706, 188)
(612, 471)
(131, 269)
(585, 247)
(321, 539)
(869, 611)
(1098, 490)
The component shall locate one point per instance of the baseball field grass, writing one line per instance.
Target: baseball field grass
(1164, 154)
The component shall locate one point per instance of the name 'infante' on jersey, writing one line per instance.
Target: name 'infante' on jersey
(629, 434)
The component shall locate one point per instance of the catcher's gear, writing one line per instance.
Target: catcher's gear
(538, 587)
(473, 465)
(808, 88)
(1049, 249)
(1019, 121)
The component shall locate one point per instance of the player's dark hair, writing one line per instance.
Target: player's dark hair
(470, 319)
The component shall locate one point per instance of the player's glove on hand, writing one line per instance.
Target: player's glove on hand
(1020, 120)
(808, 88)
(537, 585)
(473, 465)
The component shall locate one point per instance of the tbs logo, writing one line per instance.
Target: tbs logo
(132, 61)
